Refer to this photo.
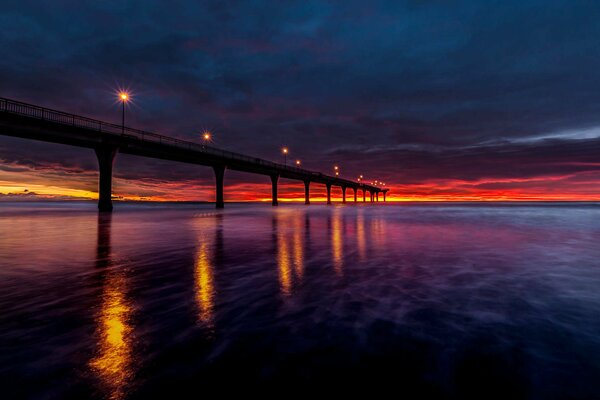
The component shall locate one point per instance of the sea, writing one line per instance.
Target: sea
(404, 300)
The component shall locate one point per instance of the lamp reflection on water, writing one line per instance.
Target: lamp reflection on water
(284, 265)
(289, 237)
(298, 247)
(337, 246)
(360, 235)
(378, 235)
(209, 247)
(205, 291)
(113, 360)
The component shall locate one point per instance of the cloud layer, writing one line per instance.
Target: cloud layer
(438, 99)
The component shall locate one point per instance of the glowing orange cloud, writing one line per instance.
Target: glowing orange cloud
(61, 184)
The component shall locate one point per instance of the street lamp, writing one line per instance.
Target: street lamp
(124, 98)
(206, 136)
(285, 152)
(298, 163)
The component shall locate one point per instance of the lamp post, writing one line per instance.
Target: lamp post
(298, 163)
(124, 97)
(285, 152)
(206, 137)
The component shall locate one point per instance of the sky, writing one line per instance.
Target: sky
(442, 100)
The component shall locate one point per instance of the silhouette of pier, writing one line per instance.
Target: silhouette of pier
(29, 121)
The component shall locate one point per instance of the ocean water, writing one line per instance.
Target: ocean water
(439, 300)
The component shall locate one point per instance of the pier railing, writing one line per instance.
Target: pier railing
(60, 117)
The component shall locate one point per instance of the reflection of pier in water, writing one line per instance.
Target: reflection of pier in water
(291, 235)
(209, 252)
(112, 362)
(336, 225)
(360, 236)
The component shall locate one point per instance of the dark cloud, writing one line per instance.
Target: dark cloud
(406, 91)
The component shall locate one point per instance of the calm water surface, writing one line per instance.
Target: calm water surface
(450, 300)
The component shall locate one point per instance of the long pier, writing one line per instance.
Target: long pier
(29, 121)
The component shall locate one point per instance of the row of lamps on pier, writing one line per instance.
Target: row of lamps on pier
(125, 97)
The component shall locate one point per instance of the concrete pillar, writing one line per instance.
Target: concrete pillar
(344, 194)
(274, 179)
(364, 195)
(355, 190)
(371, 194)
(306, 192)
(219, 174)
(376, 196)
(328, 193)
(384, 196)
(106, 157)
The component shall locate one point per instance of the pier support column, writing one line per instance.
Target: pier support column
(344, 194)
(106, 157)
(364, 195)
(371, 194)
(355, 190)
(274, 179)
(219, 174)
(306, 192)
(377, 196)
(329, 193)
(384, 196)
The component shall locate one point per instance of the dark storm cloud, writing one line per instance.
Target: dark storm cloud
(400, 86)
(542, 159)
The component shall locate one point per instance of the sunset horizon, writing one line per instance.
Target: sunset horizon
(25, 179)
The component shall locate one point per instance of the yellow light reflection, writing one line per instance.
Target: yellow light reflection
(298, 248)
(360, 236)
(113, 361)
(284, 265)
(205, 291)
(336, 243)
